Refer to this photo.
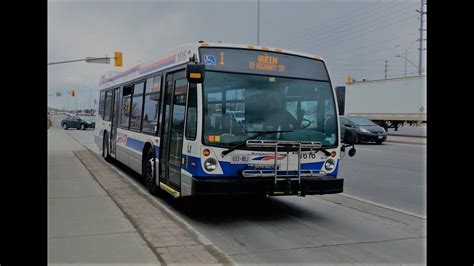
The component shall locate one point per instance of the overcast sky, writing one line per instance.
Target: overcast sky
(355, 37)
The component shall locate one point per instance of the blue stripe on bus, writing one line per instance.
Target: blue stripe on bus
(135, 144)
(229, 169)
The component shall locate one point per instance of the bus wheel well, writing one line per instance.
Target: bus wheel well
(146, 148)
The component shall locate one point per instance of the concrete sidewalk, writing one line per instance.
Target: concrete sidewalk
(84, 225)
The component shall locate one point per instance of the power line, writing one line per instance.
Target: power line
(343, 18)
(395, 38)
(330, 42)
(334, 54)
(348, 18)
(359, 28)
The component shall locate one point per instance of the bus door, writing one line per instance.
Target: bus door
(172, 128)
(114, 124)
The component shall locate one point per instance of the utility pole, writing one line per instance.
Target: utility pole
(258, 22)
(386, 61)
(421, 29)
(406, 54)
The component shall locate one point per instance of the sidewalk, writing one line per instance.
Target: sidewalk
(84, 225)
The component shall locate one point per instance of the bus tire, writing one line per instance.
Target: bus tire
(149, 171)
(105, 148)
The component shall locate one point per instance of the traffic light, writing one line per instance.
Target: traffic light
(73, 92)
(118, 59)
(349, 79)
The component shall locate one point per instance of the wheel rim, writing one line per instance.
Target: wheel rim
(64, 126)
(82, 127)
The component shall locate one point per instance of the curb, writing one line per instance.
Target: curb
(186, 252)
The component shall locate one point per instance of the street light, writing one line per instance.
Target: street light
(406, 59)
(406, 55)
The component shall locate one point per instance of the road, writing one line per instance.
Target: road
(392, 174)
(418, 131)
(322, 229)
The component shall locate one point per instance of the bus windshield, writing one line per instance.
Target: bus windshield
(236, 106)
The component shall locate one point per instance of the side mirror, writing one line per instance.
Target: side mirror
(347, 125)
(352, 152)
(195, 72)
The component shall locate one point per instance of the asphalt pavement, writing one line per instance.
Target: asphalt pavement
(410, 131)
(393, 174)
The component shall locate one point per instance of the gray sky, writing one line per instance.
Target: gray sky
(355, 37)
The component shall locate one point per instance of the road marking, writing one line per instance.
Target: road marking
(383, 206)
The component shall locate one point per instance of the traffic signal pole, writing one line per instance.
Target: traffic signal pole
(118, 57)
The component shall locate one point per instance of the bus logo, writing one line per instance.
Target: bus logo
(210, 60)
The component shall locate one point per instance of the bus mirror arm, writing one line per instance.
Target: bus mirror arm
(352, 151)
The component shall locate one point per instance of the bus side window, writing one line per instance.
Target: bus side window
(101, 104)
(151, 106)
(137, 107)
(108, 105)
(191, 116)
(125, 107)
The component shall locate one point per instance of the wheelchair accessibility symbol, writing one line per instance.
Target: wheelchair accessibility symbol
(210, 60)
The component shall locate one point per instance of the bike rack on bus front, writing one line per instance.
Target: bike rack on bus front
(287, 146)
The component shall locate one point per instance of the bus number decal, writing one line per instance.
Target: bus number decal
(308, 156)
(222, 59)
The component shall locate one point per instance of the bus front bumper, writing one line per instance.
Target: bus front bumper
(240, 185)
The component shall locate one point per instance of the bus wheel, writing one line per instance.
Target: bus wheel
(105, 148)
(148, 172)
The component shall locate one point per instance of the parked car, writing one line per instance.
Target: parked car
(357, 129)
(76, 122)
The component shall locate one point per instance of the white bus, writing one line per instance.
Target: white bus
(217, 118)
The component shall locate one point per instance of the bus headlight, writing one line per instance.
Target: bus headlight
(329, 165)
(210, 164)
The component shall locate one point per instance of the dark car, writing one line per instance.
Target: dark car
(357, 129)
(76, 122)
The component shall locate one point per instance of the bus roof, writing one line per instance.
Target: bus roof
(180, 55)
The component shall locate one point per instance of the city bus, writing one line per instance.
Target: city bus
(224, 119)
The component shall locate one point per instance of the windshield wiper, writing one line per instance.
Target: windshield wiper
(259, 133)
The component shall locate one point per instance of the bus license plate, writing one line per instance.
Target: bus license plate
(240, 158)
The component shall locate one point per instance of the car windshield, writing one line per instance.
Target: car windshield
(238, 105)
(361, 121)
